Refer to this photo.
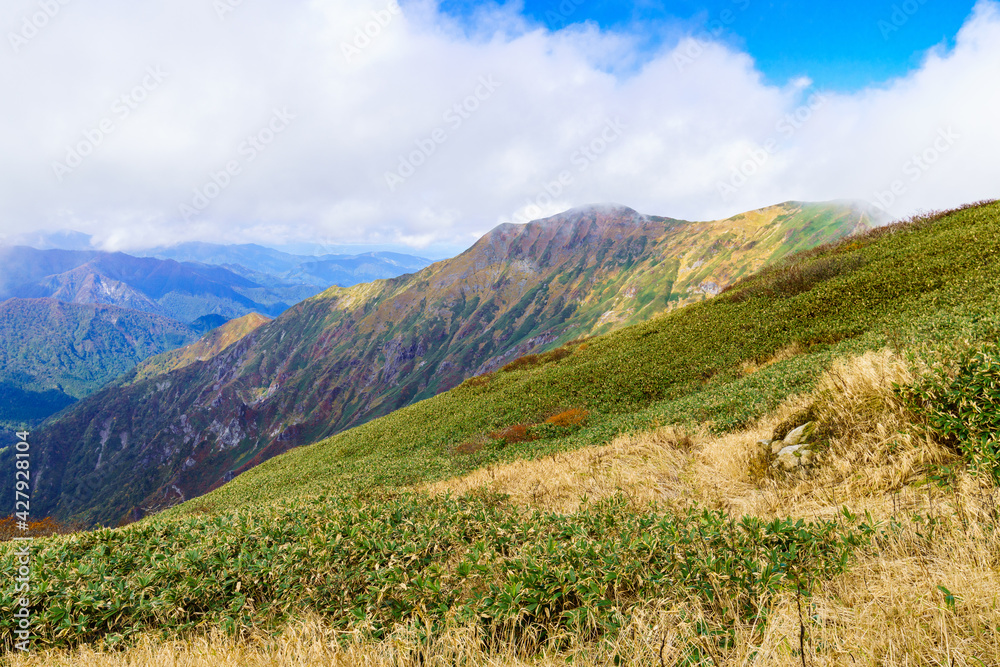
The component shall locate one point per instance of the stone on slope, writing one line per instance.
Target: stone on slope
(800, 435)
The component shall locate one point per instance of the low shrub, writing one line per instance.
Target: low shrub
(791, 279)
(527, 361)
(469, 447)
(568, 418)
(960, 404)
(477, 381)
(376, 565)
(39, 528)
(513, 434)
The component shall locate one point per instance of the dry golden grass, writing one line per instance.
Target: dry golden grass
(873, 449)
(890, 609)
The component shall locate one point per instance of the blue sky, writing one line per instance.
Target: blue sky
(843, 46)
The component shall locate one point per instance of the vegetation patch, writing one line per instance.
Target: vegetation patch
(569, 418)
(960, 403)
(514, 434)
(417, 561)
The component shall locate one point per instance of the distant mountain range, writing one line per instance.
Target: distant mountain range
(182, 291)
(352, 354)
(273, 267)
(324, 267)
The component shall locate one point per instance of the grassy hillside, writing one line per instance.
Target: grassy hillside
(351, 355)
(933, 279)
(883, 555)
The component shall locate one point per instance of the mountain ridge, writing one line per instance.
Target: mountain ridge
(349, 355)
(209, 345)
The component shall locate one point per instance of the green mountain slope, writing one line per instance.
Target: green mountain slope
(934, 280)
(350, 355)
(73, 349)
(326, 529)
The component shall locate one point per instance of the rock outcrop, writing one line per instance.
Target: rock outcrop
(794, 451)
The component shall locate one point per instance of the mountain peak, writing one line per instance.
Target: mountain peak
(577, 230)
(605, 210)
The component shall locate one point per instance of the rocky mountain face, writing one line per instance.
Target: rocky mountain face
(352, 354)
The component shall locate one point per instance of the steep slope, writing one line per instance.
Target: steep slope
(72, 349)
(723, 364)
(206, 347)
(351, 355)
(162, 287)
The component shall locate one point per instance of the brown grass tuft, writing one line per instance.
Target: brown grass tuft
(645, 467)
(751, 366)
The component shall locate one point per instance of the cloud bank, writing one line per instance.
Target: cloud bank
(366, 122)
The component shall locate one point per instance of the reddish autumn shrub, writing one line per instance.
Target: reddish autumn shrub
(527, 361)
(513, 434)
(571, 417)
(40, 528)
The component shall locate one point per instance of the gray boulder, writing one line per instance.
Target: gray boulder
(800, 435)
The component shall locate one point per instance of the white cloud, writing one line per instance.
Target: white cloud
(693, 117)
